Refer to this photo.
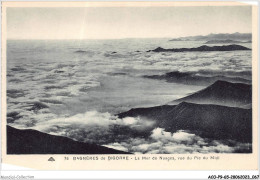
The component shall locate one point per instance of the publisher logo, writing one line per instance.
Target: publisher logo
(51, 159)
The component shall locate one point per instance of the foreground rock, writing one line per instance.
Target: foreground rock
(34, 142)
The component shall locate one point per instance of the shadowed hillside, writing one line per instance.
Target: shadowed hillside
(211, 121)
(222, 93)
(34, 142)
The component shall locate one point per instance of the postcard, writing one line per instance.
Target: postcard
(130, 85)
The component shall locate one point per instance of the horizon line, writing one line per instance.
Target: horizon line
(127, 37)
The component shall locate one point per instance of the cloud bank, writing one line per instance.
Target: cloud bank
(135, 135)
(180, 142)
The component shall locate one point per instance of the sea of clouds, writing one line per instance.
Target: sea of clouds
(49, 89)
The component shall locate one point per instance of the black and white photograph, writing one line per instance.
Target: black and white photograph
(129, 80)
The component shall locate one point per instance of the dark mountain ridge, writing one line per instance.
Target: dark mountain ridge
(191, 78)
(203, 48)
(206, 112)
(221, 93)
(210, 121)
(34, 142)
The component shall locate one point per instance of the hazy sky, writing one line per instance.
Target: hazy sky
(125, 22)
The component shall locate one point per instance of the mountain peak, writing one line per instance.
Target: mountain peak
(221, 83)
(221, 93)
(184, 105)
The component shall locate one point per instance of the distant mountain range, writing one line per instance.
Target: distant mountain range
(222, 36)
(204, 48)
(34, 142)
(191, 78)
(227, 41)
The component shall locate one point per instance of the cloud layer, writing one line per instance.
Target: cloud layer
(180, 142)
(52, 89)
(135, 135)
